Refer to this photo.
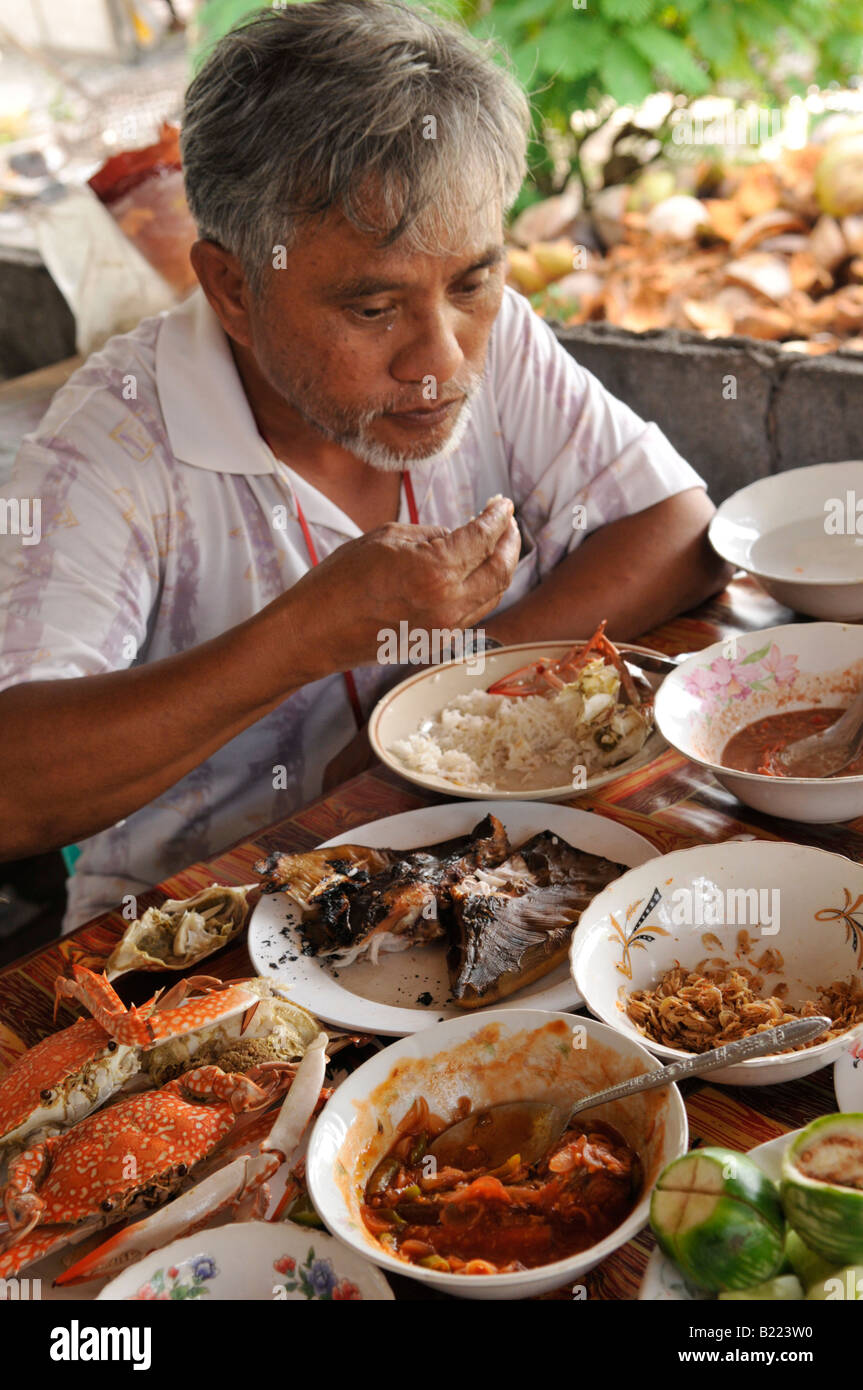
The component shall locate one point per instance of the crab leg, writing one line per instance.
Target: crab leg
(611, 654)
(530, 680)
(21, 1199)
(31, 1248)
(238, 1187)
(150, 1024)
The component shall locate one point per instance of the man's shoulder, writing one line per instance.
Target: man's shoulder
(116, 385)
(520, 339)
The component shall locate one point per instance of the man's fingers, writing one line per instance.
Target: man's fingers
(472, 544)
(489, 583)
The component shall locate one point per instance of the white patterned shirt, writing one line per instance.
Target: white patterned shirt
(166, 519)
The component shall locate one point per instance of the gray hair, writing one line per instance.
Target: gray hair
(348, 104)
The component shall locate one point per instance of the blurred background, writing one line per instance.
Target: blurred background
(694, 202)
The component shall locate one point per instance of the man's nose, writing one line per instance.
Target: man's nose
(431, 348)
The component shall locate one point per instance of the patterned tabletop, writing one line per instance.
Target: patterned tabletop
(672, 802)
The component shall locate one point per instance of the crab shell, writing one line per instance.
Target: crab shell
(272, 1030)
(59, 1081)
(239, 1187)
(129, 1157)
(182, 931)
(68, 1075)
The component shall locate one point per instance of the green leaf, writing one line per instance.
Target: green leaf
(755, 656)
(525, 60)
(572, 48)
(625, 74)
(511, 21)
(713, 34)
(757, 26)
(627, 11)
(668, 54)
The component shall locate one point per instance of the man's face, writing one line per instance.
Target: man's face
(379, 349)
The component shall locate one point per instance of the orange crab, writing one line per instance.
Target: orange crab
(240, 1187)
(131, 1156)
(68, 1075)
(546, 676)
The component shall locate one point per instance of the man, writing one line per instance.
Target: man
(352, 385)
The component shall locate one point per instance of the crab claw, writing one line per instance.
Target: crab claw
(152, 1023)
(30, 1249)
(238, 1187)
(23, 1210)
(21, 1201)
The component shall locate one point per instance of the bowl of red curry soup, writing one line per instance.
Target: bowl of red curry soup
(736, 704)
(479, 1061)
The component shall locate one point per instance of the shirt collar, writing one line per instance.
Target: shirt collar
(207, 415)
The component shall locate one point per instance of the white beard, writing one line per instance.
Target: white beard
(395, 461)
(355, 437)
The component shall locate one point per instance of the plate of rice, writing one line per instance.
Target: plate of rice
(442, 728)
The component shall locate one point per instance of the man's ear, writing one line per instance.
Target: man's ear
(226, 287)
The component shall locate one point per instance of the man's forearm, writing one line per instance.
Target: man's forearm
(636, 572)
(78, 755)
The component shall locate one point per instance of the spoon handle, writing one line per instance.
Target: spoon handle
(779, 1039)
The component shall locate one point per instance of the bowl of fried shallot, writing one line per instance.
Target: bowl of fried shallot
(703, 946)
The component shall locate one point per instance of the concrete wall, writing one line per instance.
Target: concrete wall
(737, 409)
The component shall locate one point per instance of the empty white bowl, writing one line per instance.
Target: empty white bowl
(662, 914)
(801, 535)
(493, 1057)
(779, 669)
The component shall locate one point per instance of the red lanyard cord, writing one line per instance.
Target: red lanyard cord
(350, 683)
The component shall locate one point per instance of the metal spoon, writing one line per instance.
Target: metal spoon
(826, 753)
(529, 1127)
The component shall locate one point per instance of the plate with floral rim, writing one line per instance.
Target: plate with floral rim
(264, 1261)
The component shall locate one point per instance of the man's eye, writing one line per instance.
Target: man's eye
(369, 315)
(474, 286)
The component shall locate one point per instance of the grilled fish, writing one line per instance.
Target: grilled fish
(359, 902)
(512, 924)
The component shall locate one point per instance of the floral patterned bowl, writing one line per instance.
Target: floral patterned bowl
(790, 914)
(252, 1260)
(777, 670)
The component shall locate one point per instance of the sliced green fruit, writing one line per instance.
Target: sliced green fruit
(822, 1187)
(719, 1218)
(841, 1284)
(809, 1267)
(781, 1289)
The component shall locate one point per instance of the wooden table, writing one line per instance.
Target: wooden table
(673, 803)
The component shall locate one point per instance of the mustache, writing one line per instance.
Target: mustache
(464, 386)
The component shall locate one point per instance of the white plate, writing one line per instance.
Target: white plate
(418, 698)
(662, 1280)
(797, 532)
(254, 1260)
(848, 1078)
(384, 998)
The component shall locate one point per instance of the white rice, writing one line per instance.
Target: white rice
(481, 740)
